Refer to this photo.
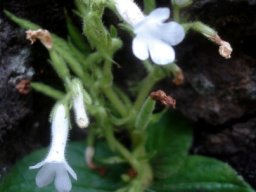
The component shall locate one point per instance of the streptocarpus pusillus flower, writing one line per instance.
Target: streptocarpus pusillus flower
(55, 167)
(154, 37)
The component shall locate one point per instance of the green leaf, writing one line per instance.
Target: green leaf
(145, 114)
(20, 178)
(113, 31)
(97, 34)
(76, 36)
(202, 174)
(47, 90)
(170, 139)
(59, 65)
(22, 22)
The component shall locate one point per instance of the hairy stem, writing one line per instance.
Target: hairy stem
(147, 85)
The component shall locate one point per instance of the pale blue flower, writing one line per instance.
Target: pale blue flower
(155, 37)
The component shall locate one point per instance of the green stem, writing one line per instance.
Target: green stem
(108, 89)
(127, 155)
(200, 27)
(145, 174)
(147, 85)
(114, 99)
(108, 133)
(149, 5)
(91, 136)
(174, 69)
(176, 13)
(148, 65)
(116, 145)
(107, 71)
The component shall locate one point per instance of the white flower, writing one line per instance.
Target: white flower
(54, 166)
(81, 117)
(154, 37)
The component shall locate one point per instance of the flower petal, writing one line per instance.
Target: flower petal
(160, 52)
(45, 175)
(38, 165)
(171, 32)
(139, 48)
(70, 170)
(159, 14)
(62, 181)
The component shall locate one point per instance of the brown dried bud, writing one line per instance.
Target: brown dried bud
(225, 48)
(23, 87)
(163, 98)
(43, 35)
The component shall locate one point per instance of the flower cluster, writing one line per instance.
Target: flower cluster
(153, 36)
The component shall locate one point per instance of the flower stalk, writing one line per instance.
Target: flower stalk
(225, 48)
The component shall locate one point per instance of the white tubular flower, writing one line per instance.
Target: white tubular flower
(156, 38)
(54, 166)
(81, 117)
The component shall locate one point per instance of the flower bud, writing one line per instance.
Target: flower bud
(81, 117)
(129, 11)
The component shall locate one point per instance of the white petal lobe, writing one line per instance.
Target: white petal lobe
(171, 32)
(161, 53)
(70, 171)
(45, 175)
(139, 48)
(38, 165)
(159, 14)
(62, 181)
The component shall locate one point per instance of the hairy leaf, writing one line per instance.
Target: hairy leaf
(201, 174)
(169, 139)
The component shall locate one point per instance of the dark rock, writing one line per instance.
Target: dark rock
(219, 90)
(235, 144)
(24, 117)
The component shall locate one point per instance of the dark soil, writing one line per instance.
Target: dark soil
(219, 95)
